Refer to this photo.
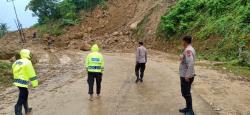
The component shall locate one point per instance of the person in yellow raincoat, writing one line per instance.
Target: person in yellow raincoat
(24, 73)
(94, 64)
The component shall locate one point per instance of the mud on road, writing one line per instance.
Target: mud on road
(64, 88)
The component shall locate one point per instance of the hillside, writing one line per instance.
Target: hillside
(220, 28)
(117, 27)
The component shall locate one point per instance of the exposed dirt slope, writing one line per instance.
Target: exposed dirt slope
(119, 26)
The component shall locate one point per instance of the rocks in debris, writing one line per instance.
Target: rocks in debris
(89, 29)
(76, 36)
(115, 33)
(85, 35)
(126, 33)
(217, 109)
(133, 26)
(102, 14)
(8, 54)
(85, 46)
(214, 107)
(102, 26)
(121, 33)
(106, 35)
(82, 27)
(87, 14)
(74, 45)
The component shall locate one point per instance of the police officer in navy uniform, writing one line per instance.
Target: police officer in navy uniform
(187, 73)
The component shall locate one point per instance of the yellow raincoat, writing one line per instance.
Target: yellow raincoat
(23, 71)
(94, 61)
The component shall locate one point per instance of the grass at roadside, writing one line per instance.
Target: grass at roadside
(220, 28)
(227, 66)
(5, 75)
(237, 70)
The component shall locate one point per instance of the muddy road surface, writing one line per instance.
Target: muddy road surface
(64, 88)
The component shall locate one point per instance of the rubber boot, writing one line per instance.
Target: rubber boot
(189, 112)
(183, 110)
(91, 98)
(18, 110)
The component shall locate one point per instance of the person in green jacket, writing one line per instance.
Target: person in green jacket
(24, 73)
(94, 64)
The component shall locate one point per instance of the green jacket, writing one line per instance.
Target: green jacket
(94, 61)
(23, 71)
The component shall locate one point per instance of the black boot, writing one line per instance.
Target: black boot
(183, 110)
(189, 112)
(18, 110)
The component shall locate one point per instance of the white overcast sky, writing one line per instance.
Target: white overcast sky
(7, 14)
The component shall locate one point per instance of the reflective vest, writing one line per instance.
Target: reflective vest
(24, 72)
(95, 62)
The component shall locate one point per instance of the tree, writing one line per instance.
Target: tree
(3, 29)
(86, 4)
(45, 10)
(67, 10)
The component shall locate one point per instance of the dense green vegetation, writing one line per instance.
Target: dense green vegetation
(53, 15)
(225, 22)
(3, 29)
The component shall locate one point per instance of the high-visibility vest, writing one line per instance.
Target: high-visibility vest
(24, 72)
(94, 61)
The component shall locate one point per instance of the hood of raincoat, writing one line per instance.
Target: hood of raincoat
(95, 48)
(24, 53)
